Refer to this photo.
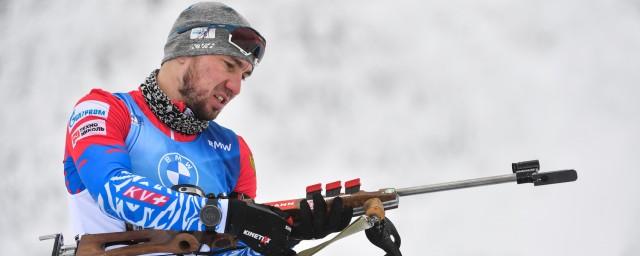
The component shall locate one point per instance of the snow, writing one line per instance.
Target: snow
(399, 94)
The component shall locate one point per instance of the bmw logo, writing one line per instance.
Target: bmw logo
(174, 169)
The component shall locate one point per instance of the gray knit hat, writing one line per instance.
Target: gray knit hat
(203, 29)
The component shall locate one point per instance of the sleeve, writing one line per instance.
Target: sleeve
(95, 146)
(247, 181)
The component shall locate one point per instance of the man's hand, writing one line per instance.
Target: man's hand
(319, 223)
(261, 227)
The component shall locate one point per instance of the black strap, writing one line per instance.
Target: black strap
(385, 236)
(211, 200)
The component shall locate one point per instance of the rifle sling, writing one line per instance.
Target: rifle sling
(362, 223)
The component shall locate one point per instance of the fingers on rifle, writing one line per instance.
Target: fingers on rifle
(305, 219)
(319, 216)
(318, 223)
(335, 215)
(345, 219)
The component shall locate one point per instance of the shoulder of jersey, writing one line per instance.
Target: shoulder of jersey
(95, 105)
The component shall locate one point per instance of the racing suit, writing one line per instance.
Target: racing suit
(121, 161)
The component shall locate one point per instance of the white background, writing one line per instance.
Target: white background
(398, 93)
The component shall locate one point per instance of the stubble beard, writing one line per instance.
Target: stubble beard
(195, 100)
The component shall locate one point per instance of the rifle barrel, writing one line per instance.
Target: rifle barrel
(456, 185)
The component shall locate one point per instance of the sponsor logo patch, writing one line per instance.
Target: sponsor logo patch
(88, 128)
(219, 145)
(202, 33)
(174, 169)
(87, 109)
(141, 194)
(262, 239)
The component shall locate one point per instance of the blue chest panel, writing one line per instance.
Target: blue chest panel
(211, 161)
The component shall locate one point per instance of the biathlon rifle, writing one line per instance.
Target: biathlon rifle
(369, 204)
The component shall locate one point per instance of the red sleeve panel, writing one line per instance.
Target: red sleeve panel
(98, 118)
(247, 180)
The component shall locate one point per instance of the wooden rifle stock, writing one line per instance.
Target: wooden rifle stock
(150, 241)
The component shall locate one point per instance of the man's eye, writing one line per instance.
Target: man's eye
(228, 65)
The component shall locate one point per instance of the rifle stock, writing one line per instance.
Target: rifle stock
(150, 241)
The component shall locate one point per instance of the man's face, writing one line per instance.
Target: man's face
(210, 82)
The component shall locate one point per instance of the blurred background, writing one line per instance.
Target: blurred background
(397, 93)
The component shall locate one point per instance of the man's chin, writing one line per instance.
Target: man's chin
(210, 116)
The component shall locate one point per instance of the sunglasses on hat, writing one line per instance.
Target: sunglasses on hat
(245, 39)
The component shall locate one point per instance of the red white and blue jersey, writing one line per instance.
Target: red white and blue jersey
(121, 161)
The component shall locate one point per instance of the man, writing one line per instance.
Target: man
(146, 158)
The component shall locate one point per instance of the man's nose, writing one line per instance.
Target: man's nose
(234, 84)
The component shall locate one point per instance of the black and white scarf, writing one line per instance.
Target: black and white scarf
(161, 106)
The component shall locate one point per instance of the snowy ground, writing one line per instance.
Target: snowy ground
(398, 93)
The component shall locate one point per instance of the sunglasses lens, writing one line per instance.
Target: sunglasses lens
(249, 40)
